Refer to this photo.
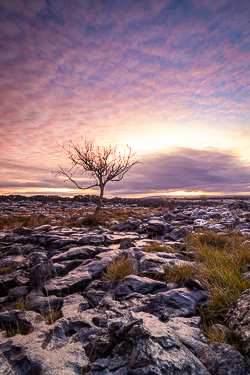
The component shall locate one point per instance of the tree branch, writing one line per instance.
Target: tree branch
(99, 163)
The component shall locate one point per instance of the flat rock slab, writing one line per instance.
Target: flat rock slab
(73, 304)
(110, 255)
(11, 260)
(61, 242)
(12, 280)
(158, 226)
(62, 268)
(114, 238)
(199, 223)
(19, 319)
(176, 302)
(189, 333)
(81, 252)
(40, 303)
(156, 263)
(18, 292)
(76, 280)
(41, 273)
(179, 233)
(215, 227)
(25, 355)
(138, 284)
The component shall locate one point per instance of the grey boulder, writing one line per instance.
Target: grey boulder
(222, 359)
(138, 284)
(41, 273)
(189, 332)
(76, 280)
(179, 233)
(81, 252)
(140, 344)
(238, 320)
(176, 302)
(155, 226)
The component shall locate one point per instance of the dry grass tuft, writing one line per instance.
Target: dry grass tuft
(19, 329)
(21, 304)
(156, 246)
(93, 220)
(52, 316)
(7, 269)
(118, 269)
(223, 261)
(223, 337)
(178, 274)
(68, 217)
(28, 221)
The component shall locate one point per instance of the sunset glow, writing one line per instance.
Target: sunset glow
(170, 78)
(186, 193)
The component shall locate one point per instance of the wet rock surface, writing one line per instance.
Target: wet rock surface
(135, 325)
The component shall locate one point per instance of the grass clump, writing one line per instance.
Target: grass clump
(52, 316)
(223, 260)
(21, 304)
(93, 220)
(118, 269)
(68, 217)
(27, 221)
(7, 269)
(211, 239)
(179, 274)
(217, 335)
(113, 227)
(20, 329)
(107, 215)
(156, 246)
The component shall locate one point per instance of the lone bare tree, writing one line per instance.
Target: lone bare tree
(102, 164)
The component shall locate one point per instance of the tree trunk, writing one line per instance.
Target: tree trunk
(99, 204)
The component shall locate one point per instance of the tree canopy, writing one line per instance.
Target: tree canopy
(100, 163)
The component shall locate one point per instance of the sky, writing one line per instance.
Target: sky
(170, 78)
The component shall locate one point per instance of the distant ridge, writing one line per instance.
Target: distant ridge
(193, 197)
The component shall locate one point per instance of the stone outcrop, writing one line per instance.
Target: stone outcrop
(135, 325)
(238, 320)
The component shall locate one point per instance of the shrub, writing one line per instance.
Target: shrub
(92, 220)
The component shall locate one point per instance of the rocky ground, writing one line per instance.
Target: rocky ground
(136, 325)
